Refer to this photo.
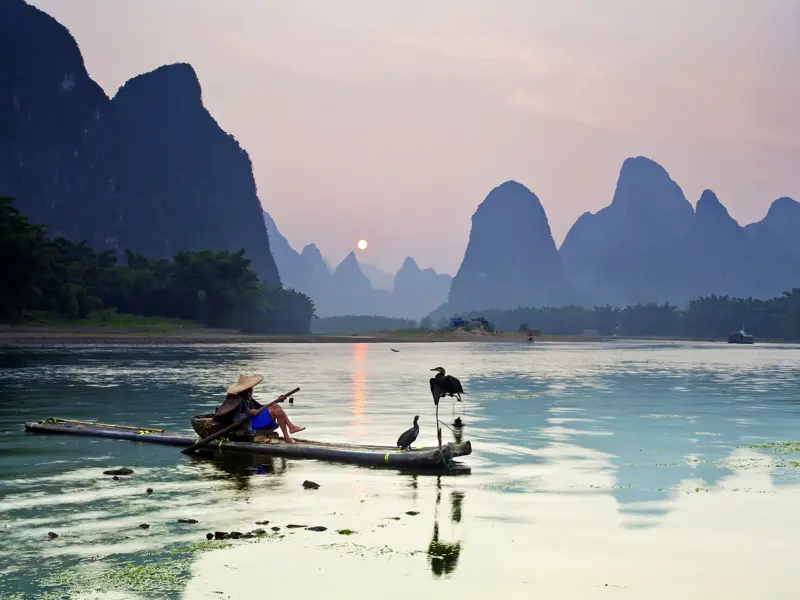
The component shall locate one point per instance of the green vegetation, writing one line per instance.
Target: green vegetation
(107, 317)
(709, 317)
(201, 547)
(157, 578)
(162, 574)
(413, 333)
(360, 324)
(779, 447)
(58, 280)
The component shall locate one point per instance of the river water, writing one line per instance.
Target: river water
(608, 470)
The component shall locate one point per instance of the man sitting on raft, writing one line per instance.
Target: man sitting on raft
(240, 402)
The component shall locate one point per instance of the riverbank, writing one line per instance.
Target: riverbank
(37, 335)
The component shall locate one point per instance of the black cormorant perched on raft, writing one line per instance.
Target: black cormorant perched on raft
(408, 437)
(445, 385)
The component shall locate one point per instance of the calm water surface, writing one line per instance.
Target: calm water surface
(621, 470)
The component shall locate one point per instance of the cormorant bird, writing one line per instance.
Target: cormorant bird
(445, 385)
(408, 437)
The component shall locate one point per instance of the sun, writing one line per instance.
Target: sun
(362, 244)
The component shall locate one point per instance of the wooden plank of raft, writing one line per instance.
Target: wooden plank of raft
(107, 425)
(366, 455)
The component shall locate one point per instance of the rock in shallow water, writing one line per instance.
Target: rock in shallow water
(275, 528)
(317, 528)
(235, 535)
(190, 521)
(209, 536)
(149, 490)
(412, 512)
(310, 485)
(220, 535)
(262, 522)
(144, 526)
(52, 535)
(258, 532)
(122, 471)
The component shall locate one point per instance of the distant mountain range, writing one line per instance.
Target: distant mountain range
(648, 245)
(511, 259)
(380, 279)
(355, 288)
(150, 170)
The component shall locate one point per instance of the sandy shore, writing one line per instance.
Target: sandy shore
(21, 335)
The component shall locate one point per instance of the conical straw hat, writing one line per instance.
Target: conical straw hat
(245, 383)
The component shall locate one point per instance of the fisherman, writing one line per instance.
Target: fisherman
(240, 403)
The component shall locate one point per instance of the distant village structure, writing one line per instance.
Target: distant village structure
(479, 324)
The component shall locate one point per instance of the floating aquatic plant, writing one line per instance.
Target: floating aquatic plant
(779, 447)
(201, 547)
(163, 574)
(656, 416)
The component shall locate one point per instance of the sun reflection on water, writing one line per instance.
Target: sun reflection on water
(358, 402)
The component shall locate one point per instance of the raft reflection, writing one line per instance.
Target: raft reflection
(239, 468)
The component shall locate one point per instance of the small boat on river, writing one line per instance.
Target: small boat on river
(379, 456)
(740, 337)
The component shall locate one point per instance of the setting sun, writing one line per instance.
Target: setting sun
(362, 244)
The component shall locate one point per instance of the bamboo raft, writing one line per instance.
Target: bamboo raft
(378, 456)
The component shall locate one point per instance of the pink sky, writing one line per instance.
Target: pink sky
(392, 120)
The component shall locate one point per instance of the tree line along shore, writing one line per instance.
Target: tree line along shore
(55, 280)
(18, 335)
(59, 289)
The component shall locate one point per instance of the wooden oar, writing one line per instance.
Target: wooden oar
(207, 440)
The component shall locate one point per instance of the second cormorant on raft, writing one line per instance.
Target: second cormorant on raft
(409, 436)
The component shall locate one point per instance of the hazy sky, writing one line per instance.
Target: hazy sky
(391, 120)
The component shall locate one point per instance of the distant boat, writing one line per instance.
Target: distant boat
(740, 337)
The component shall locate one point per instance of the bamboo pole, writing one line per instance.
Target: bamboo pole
(438, 428)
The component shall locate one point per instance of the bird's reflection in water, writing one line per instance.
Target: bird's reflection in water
(414, 485)
(443, 556)
(456, 499)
